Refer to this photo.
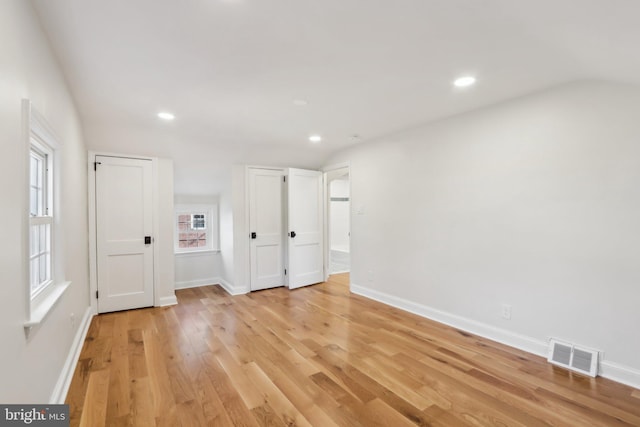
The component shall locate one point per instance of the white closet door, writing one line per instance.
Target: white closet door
(305, 237)
(266, 188)
(123, 221)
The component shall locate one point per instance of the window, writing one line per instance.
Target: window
(192, 230)
(198, 222)
(44, 284)
(196, 228)
(41, 216)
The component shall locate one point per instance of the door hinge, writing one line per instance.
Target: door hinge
(95, 165)
(96, 294)
(285, 271)
(284, 179)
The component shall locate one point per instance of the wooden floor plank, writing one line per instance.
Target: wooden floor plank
(266, 417)
(142, 402)
(163, 397)
(319, 356)
(235, 409)
(273, 396)
(94, 411)
(212, 407)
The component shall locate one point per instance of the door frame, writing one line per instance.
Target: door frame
(93, 259)
(326, 202)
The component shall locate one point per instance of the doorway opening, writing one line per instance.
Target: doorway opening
(338, 221)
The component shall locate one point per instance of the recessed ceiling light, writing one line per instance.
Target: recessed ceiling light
(464, 81)
(300, 102)
(166, 116)
(315, 138)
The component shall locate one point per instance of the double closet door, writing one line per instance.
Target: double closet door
(286, 227)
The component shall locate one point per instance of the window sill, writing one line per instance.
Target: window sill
(40, 310)
(197, 253)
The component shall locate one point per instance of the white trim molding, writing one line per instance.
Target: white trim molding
(228, 287)
(198, 282)
(233, 290)
(44, 305)
(335, 166)
(196, 253)
(167, 301)
(61, 388)
(620, 373)
(609, 370)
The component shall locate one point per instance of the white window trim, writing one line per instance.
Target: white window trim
(211, 211)
(43, 148)
(40, 303)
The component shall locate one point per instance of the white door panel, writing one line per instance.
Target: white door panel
(267, 222)
(123, 219)
(305, 241)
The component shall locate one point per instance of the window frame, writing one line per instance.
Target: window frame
(210, 212)
(46, 215)
(36, 131)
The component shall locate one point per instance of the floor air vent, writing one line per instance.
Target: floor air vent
(575, 358)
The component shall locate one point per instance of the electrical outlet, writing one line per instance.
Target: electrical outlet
(506, 311)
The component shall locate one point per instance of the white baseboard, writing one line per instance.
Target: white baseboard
(620, 373)
(196, 283)
(233, 290)
(166, 301)
(613, 371)
(61, 388)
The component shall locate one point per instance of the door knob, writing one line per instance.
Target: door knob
(292, 234)
(147, 240)
(254, 235)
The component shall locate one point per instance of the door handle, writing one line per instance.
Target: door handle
(292, 234)
(147, 240)
(254, 235)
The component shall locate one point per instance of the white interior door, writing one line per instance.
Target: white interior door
(123, 219)
(305, 247)
(266, 222)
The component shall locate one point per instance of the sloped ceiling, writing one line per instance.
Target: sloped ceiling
(230, 70)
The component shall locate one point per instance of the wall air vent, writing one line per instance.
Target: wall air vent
(578, 359)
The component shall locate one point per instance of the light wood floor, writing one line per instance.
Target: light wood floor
(319, 356)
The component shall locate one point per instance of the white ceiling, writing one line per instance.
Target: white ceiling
(230, 69)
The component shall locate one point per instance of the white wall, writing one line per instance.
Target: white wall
(165, 266)
(533, 203)
(206, 169)
(241, 247)
(30, 367)
(339, 214)
(198, 268)
(227, 224)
